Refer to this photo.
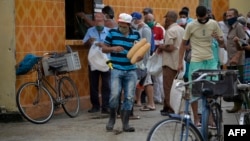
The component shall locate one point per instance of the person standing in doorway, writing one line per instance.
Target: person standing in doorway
(98, 33)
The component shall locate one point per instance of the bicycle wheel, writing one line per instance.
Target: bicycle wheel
(172, 130)
(35, 103)
(69, 94)
(217, 119)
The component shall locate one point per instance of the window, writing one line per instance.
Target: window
(75, 26)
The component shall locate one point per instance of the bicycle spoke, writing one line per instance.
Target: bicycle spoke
(173, 130)
(70, 98)
(35, 103)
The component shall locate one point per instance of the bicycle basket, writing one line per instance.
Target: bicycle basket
(69, 62)
(226, 82)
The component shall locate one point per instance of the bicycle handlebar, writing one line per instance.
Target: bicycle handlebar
(199, 79)
(59, 54)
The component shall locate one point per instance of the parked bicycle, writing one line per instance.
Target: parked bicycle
(243, 116)
(180, 127)
(38, 100)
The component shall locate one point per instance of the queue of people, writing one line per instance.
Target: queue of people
(195, 40)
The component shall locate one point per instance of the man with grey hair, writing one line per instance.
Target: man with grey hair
(158, 37)
(170, 57)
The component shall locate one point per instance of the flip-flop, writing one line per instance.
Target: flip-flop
(137, 105)
(147, 108)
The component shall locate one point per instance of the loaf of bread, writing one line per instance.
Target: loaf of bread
(139, 54)
(136, 46)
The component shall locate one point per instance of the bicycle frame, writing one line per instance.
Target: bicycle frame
(42, 80)
(187, 119)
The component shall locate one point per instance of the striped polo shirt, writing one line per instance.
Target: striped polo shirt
(116, 38)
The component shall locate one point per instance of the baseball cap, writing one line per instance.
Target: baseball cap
(136, 15)
(147, 10)
(125, 18)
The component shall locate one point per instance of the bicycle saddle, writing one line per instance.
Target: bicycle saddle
(55, 68)
(243, 86)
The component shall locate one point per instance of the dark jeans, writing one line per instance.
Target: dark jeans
(94, 77)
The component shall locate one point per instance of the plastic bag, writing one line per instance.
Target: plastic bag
(154, 64)
(223, 56)
(26, 64)
(97, 59)
(176, 95)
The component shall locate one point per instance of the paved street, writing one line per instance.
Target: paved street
(88, 127)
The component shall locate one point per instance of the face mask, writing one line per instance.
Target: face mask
(150, 24)
(99, 28)
(182, 21)
(204, 21)
(123, 30)
(135, 26)
(231, 21)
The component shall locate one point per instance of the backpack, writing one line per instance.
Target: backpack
(26, 64)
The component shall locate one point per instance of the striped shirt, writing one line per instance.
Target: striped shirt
(116, 38)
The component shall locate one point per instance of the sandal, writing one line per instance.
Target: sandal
(147, 108)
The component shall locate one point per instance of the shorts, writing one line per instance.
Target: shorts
(147, 80)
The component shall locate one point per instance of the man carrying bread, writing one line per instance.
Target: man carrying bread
(123, 75)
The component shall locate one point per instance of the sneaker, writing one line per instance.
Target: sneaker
(93, 110)
(165, 112)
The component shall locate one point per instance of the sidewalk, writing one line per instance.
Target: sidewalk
(88, 127)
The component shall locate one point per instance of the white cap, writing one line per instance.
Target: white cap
(125, 18)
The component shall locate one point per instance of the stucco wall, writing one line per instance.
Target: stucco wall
(241, 5)
(7, 56)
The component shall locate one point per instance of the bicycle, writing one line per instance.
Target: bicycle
(180, 127)
(244, 115)
(38, 100)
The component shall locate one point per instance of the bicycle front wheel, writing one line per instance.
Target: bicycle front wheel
(35, 103)
(217, 118)
(173, 130)
(70, 97)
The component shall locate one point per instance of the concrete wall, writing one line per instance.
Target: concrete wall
(241, 5)
(7, 55)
